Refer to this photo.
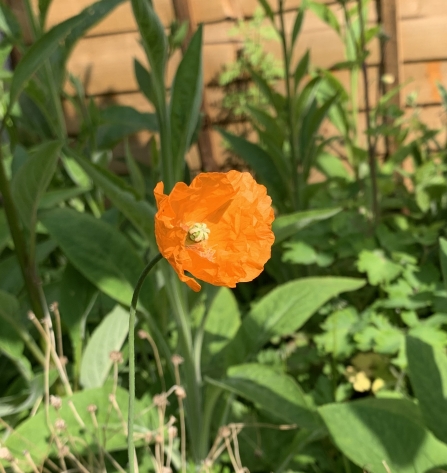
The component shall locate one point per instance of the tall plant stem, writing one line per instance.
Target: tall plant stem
(132, 313)
(26, 265)
(371, 151)
(296, 172)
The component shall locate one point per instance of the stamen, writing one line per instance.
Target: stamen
(199, 232)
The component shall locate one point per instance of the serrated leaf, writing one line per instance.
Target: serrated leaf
(108, 337)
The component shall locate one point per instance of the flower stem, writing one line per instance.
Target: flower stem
(132, 313)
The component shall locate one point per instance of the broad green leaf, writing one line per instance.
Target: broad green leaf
(155, 45)
(119, 121)
(38, 53)
(11, 279)
(33, 433)
(4, 231)
(108, 337)
(54, 198)
(139, 212)
(32, 180)
(77, 296)
(262, 164)
(285, 226)
(273, 391)
(11, 341)
(9, 24)
(373, 431)
(332, 167)
(97, 250)
(186, 99)
(443, 258)
(285, 310)
(136, 175)
(87, 18)
(76, 173)
(222, 322)
(427, 368)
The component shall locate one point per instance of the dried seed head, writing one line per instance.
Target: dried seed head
(60, 425)
(148, 437)
(56, 402)
(5, 454)
(63, 451)
(180, 392)
(54, 306)
(31, 315)
(142, 334)
(160, 400)
(172, 432)
(225, 431)
(177, 360)
(159, 438)
(116, 356)
(92, 408)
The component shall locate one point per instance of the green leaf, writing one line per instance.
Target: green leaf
(87, 18)
(267, 9)
(136, 176)
(301, 69)
(285, 310)
(155, 45)
(32, 180)
(97, 250)
(37, 54)
(139, 212)
(186, 100)
(33, 433)
(54, 198)
(119, 121)
(443, 258)
(11, 279)
(325, 13)
(222, 323)
(77, 296)
(299, 252)
(4, 231)
(9, 24)
(273, 391)
(378, 267)
(262, 164)
(11, 343)
(427, 368)
(43, 10)
(373, 431)
(144, 80)
(332, 167)
(109, 336)
(285, 226)
(297, 25)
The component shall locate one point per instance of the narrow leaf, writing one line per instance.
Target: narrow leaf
(186, 99)
(37, 54)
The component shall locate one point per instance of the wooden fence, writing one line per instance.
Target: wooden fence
(104, 58)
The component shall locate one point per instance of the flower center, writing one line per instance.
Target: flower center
(198, 232)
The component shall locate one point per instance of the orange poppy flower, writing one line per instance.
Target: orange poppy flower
(218, 228)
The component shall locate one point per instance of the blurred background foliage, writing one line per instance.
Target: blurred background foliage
(333, 360)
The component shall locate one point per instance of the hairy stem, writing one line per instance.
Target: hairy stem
(132, 313)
